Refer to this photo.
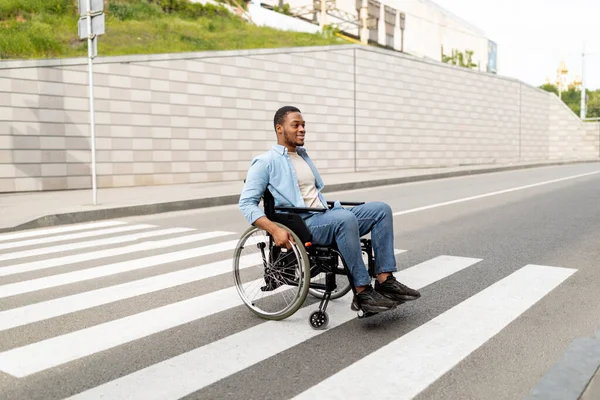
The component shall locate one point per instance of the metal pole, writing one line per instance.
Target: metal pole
(583, 111)
(91, 83)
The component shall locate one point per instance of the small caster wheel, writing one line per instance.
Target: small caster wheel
(318, 320)
(365, 314)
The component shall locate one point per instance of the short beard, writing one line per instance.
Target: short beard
(288, 141)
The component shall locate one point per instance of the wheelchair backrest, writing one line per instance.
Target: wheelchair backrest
(291, 220)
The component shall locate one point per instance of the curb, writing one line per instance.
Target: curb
(120, 212)
(182, 205)
(570, 378)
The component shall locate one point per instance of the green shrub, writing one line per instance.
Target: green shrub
(48, 29)
(9, 9)
(188, 10)
(34, 39)
(139, 10)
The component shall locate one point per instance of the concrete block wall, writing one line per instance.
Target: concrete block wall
(202, 117)
(566, 133)
(591, 140)
(534, 124)
(167, 121)
(414, 114)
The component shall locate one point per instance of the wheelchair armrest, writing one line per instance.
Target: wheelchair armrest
(300, 209)
(346, 203)
(307, 209)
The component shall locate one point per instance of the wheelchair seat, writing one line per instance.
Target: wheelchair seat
(291, 217)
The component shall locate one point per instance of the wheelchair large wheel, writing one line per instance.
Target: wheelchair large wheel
(278, 277)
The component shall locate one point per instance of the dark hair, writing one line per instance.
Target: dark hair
(282, 113)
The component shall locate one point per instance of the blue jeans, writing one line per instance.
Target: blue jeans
(345, 227)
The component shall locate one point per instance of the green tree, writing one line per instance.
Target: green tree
(461, 59)
(593, 104)
(548, 87)
(571, 97)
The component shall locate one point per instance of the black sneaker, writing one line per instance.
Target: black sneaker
(396, 291)
(370, 301)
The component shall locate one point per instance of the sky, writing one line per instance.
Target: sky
(533, 36)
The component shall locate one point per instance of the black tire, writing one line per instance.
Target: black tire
(302, 271)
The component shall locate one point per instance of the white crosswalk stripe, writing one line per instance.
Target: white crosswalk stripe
(111, 269)
(64, 305)
(71, 236)
(60, 229)
(176, 377)
(42, 296)
(427, 351)
(151, 245)
(84, 245)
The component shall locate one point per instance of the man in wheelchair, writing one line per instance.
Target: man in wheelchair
(293, 180)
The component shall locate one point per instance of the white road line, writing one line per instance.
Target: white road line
(95, 255)
(83, 245)
(53, 308)
(480, 196)
(421, 274)
(105, 336)
(408, 365)
(189, 372)
(73, 236)
(13, 289)
(51, 231)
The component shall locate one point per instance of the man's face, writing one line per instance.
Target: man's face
(292, 131)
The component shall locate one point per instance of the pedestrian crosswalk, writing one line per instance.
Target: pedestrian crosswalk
(54, 279)
(427, 349)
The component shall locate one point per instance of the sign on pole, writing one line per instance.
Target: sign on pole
(90, 26)
(96, 6)
(97, 26)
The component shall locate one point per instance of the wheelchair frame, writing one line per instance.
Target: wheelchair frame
(321, 259)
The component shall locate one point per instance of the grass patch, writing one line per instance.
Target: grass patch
(48, 29)
(13, 8)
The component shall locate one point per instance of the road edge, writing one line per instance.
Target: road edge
(571, 376)
(183, 205)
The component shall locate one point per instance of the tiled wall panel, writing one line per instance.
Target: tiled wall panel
(169, 119)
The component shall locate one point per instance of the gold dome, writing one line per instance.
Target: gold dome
(562, 68)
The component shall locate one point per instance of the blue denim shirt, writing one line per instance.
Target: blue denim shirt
(274, 170)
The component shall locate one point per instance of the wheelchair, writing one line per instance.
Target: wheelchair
(291, 274)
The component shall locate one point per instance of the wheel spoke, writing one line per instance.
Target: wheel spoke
(282, 273)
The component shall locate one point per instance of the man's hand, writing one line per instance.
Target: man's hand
(282, 238)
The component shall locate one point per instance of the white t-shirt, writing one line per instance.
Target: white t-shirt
(306, 181)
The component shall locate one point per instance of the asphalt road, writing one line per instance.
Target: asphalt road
(144, 308)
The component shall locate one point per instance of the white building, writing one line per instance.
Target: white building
(429, 30)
